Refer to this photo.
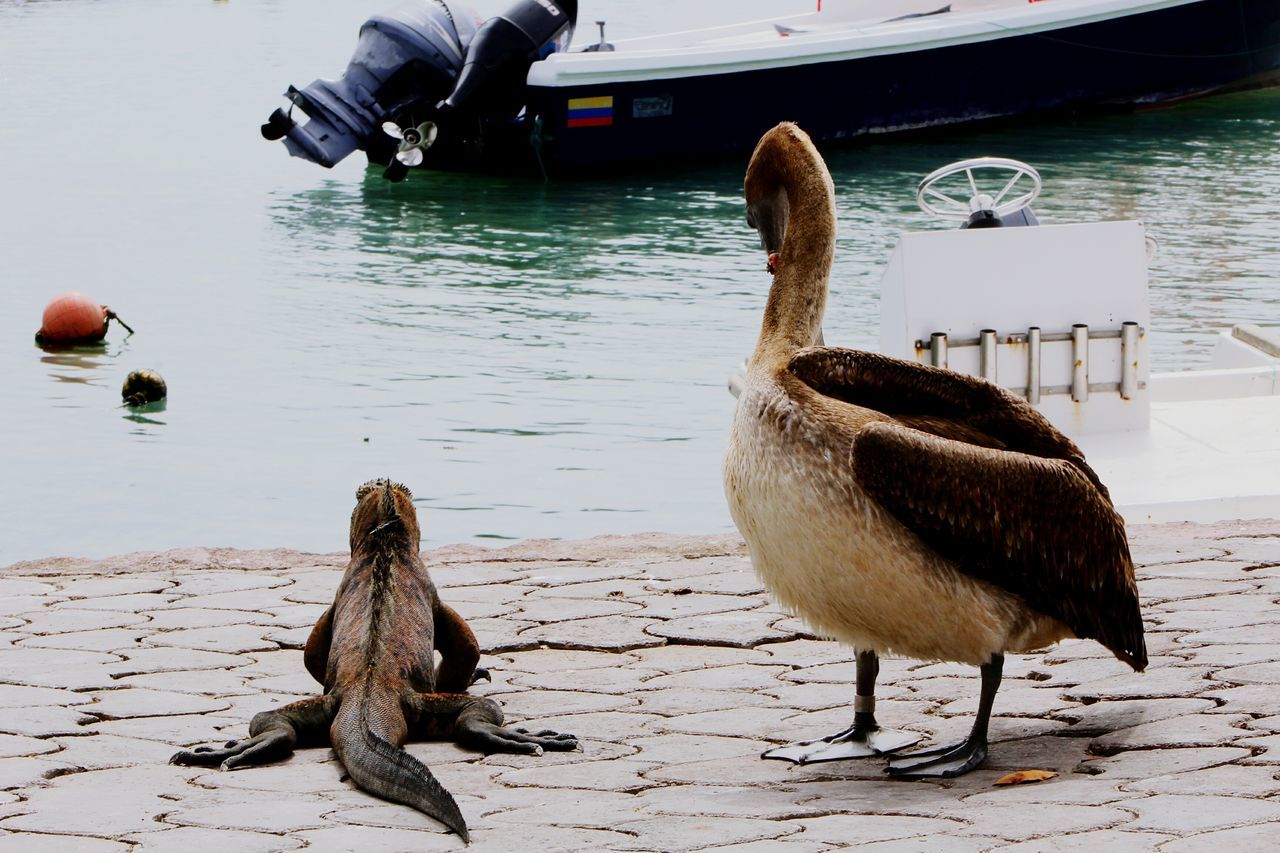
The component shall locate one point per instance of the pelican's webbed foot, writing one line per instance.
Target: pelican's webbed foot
(943, 762)
(948, 761)
(857, 741)
(861, 740)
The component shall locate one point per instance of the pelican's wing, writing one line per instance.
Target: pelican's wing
(1033, 526)
(989, 484)
(942, 402)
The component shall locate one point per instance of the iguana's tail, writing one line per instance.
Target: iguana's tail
(387, 771)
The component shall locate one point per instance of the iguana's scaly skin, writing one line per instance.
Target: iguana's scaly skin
(373, 650)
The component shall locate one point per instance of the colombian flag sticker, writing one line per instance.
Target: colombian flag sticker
(591, 112)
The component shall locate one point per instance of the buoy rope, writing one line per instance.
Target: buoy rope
(111, 315)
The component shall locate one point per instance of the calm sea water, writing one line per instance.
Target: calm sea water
(532, 360)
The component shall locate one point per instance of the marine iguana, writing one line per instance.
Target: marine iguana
(373, 650)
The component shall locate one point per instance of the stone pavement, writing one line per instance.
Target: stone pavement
(665, 657)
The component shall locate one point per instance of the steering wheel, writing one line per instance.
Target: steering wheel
(937, 203)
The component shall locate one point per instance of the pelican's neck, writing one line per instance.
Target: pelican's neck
(798, 297)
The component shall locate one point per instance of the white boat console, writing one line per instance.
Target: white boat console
(1055, 313)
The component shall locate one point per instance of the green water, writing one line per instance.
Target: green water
(534, 361)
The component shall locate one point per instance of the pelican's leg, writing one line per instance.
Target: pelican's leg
(948, 761)
(862, 739)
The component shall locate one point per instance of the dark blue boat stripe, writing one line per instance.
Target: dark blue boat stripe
(598, 112)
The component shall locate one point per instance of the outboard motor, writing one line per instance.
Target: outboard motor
(416, 72)
(409, 55)
(505, 46)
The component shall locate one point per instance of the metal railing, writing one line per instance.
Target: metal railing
(988, 341)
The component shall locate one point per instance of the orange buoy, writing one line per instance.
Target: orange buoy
(73, 318)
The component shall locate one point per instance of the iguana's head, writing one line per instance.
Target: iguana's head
(386, 508)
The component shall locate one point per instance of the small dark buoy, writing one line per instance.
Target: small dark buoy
(73, 318)
(142, 387)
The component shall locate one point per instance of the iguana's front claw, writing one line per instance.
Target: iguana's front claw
(550, 739)
(228, 745)
(522, 741)
(208, 756)
(258, 749)
(481, 672)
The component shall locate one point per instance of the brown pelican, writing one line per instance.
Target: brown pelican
(902, 508)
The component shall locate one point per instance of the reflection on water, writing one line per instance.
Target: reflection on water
(84, 363)
(139, 414)
(1198, 175)
(534, 360)
(81, 364)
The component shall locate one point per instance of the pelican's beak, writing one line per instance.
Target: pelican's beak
(769, 218)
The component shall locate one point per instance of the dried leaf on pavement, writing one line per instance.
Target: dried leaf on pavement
(1022, 777)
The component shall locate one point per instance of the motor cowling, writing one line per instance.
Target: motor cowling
(505, 46)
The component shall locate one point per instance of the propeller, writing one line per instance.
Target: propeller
(413, 140)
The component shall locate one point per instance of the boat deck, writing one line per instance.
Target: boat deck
(841, 31)
(836, 18)
(1202, 460)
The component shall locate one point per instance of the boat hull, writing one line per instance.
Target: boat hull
(1154, 57)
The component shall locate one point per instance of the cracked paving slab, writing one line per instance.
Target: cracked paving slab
(664, 655)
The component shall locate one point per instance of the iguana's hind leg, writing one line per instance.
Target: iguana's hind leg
(272, 735)
(476, 722)
(316, 654)
(459, 651)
